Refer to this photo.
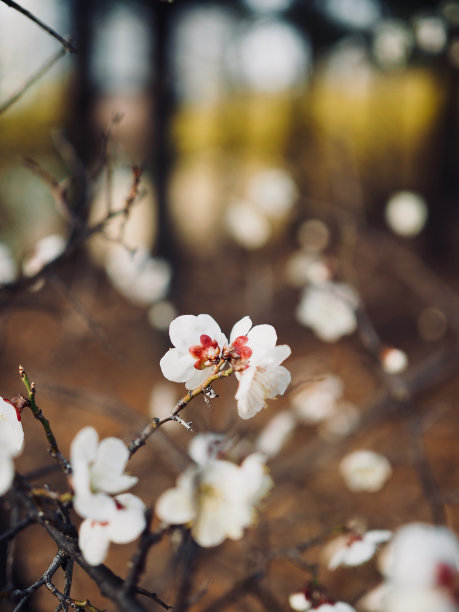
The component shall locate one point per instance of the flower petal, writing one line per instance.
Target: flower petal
(129, 522)
(6, 473)
(107, 471)
(241, 328)
(11, 432)
(93, 541)
(262, 338)
(176, 506)
(98, 506)
(177, 365)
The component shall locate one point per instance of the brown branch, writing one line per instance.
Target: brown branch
(68, 46)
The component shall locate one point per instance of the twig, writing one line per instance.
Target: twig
(33, 79)
(156, 423)
(24, 594)
(38, 414)
(68, 46)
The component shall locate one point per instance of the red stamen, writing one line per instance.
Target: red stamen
(240, 348)
(206, 353)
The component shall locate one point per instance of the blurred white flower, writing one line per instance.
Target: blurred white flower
(11, 442)
(44, 252)
(303, 600)
(392, 43)
(217, 497)
(365, 470)
(299, 602)
(163, 398)
(421, 570)
(276, 433)
(313, 235)
(122, 523)
(342, 421)
(393, 360)
(317, 400)
(329, 309)
(406, 213)
(247, 225)
(198, 342)
(273, 191)
(430, 32)
(304, 267)
(7, 265)
(354, 549)
(264, 378)
(207, 447)
(161, 314)
(142, 279)
(98, 470)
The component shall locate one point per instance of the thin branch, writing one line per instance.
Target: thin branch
(68, 46)
(33, 79)
(38, 414)
(157, 423)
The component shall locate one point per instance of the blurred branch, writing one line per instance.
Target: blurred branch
(33, 79)
(68, 46)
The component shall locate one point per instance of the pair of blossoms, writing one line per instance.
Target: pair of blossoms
(215, 497)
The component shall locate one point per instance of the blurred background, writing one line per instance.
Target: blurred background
(288, 148)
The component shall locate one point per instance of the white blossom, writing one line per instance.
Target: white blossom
(354, 549)
(318, 399)
(365, 470)
(198, 342)
(275, 434)
(97, 472)
(217, 498)
(301, 601)
(11, 442)
(264, 378)
(142, 279)
(123, 523)
(431, 34)
(247, 225)
(273, 191)
(329, 309)
(421, 570)
(44, 251)
(393, 360)
(406, 213)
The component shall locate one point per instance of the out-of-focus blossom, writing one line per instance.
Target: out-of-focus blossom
(247, 225)
(11, 442)
(273, 191)
(142, 279)
(420, 566)
(276, 433)
(329, 309)
(304, 267)
(392, 43)
(406, 213)
(44, 252)
(430, 33)
(393, 360)
(198, 342)
(163, 398)
(317, 400)
(208, 446)
(97, 471)
(264, 378)
(341, 422)
(365, 470)
(122, 523)
(312, 600)
(7, 265)
(354, 548)
(217, 498)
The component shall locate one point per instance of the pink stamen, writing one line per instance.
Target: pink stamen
(206, 353)
(240, 348)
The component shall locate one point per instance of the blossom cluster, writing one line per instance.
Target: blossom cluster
(201, 349)
(11, 442)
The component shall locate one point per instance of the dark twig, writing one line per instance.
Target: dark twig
(68, 46)
(38, 414)
(24, 594)
(33, 79)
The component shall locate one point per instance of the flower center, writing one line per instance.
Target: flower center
(240, 348)
(206, 353)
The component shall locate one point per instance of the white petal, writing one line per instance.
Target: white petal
(258, 482)
(6, 473)
(129, 522)
(241, 328)
(197, 378)
(378, 536)
(359, 552)
(262, 338)
(277, 355)
(11, 432)
(176, 506)
(107, 471)
(84, 446)
(177, 365)
(179, 330)
(93, 541)
(98, 506)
